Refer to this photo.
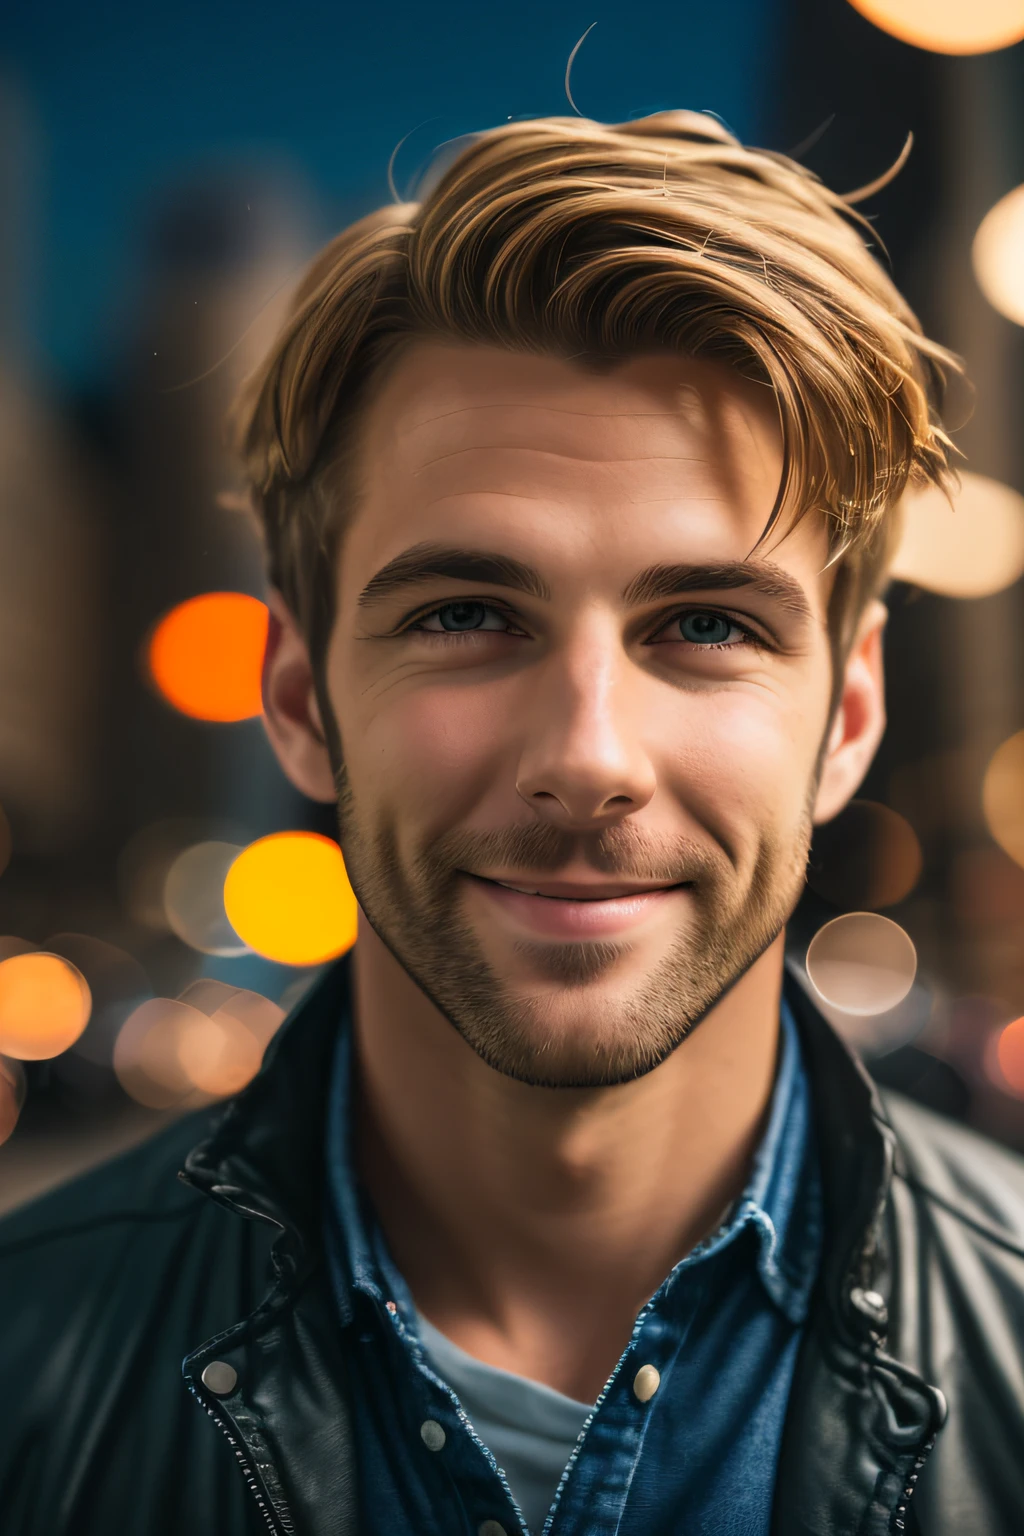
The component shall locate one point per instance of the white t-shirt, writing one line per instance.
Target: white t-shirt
(529, 1429)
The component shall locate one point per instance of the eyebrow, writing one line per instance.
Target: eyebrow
(771, 581)
(424, 561)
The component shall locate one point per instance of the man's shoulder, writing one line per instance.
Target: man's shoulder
(108, 1283)
(954, 1169)
(125, 1252)
(137, 1187)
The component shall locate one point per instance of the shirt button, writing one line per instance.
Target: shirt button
(491, 1528)
(432, 1435)
(646, 1382)
(220, 1377)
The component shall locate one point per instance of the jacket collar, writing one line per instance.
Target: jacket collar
(265, 1157)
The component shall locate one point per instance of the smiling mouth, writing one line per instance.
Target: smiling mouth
(565, 890)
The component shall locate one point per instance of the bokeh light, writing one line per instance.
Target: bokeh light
(874, 1035)
(970, 548)
(1010, 1056)
(288, 897)
(862, 963)
(117, 984)
(998, 255)
(44, 1006)
(12, 1095)
(147, 856)
(194, 898)
(867, 857)
(147, 1054)
(224, 1056)
(948, 26)
(1002, 796)
(218, 1054)
(204, 1045)
(205, 657)
(206, 994)
(261, 1017)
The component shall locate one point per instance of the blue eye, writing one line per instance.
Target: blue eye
(705, 628)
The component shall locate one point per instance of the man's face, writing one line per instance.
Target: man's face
(580, 713)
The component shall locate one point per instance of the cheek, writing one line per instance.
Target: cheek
(430, 755)
(746, 759)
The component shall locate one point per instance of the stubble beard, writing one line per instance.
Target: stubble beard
(415, 909)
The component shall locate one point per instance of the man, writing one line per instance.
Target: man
(557, 1206)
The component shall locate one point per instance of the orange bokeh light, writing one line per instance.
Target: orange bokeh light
(288, 897)
(948, 26)
(1010, 1055)
(45, 1004)
(205, 656)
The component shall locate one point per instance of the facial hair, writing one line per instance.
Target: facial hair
(414, 906)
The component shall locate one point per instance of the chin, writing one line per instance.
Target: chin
(586, 1035)
(589, 967)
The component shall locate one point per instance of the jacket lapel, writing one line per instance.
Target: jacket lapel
(286, 1413)
(860, 1424)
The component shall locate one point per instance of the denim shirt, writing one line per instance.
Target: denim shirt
(722, 1331)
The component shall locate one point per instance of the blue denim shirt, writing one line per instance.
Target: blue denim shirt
(722, 1330)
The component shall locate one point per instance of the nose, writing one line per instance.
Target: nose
(584, 765)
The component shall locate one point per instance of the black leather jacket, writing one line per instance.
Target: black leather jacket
(110, 1283)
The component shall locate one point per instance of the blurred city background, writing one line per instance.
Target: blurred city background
(165, 896)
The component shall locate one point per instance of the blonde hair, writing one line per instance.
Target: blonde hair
(596, 242)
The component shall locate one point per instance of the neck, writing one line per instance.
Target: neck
(531, 1224)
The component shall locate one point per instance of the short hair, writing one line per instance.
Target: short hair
(578, 239)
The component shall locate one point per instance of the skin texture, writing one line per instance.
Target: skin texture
(648, 759)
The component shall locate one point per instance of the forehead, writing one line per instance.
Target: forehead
(679, 456)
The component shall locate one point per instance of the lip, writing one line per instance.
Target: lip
(563, 909)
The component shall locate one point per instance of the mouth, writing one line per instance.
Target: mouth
(575, 890)
(573, 909)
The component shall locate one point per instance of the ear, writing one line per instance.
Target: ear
(859, 719)
(291, 716)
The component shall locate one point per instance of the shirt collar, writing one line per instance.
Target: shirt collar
(781, 1204)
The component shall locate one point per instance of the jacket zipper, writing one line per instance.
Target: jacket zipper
(899, 1521)
(283, 1527)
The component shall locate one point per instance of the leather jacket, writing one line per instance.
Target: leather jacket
(906, 1412)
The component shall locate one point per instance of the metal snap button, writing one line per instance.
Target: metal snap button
(220, 1377)
(871, 1304)
(646, 1382)
(432, 1435)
